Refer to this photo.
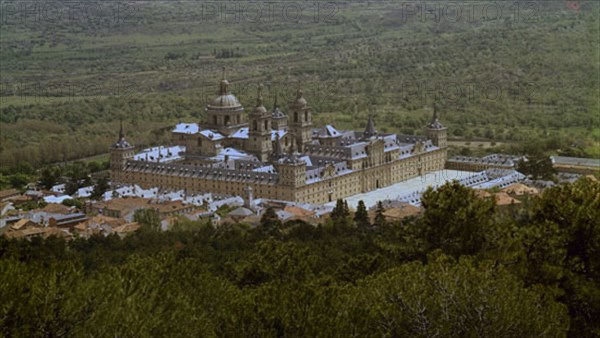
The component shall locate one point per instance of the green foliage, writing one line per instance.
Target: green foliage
(575, 209)
(185, 225)
(100, 188)
(270, 222)
(455, 220)
(31, 205)
(454, 299)
(49, 176)
(224, 209)
(275, 262)
(73, 202)
(379, 216)
(537, 167)
(19, 180)
(535, 274)
(541, 68)
(361, 216)
(340, 213)
(147, 218)
(79, 176)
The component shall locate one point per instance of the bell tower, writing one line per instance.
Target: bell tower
(301, 121)
(120, 152)
(259, 134)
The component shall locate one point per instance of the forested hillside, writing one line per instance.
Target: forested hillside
(505, 77)
(464, 268)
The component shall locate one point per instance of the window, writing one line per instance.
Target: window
(295, 116)
(266, 124)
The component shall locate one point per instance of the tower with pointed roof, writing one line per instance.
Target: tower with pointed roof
(300, 122)
(259, 133)
(225, 113)
(436, 132)
(370, 130)
(120, 152)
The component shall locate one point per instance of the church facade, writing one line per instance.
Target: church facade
(276, 155)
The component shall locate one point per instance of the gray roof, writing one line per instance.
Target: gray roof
(493, 159)
(590, 162)
(241, 212)
(277, 114)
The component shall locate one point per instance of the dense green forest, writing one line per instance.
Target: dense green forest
(506, 78)
(464, 268)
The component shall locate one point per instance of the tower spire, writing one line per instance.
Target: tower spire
(224, 87)
(121, 134)
(259, 99)
(121, 142)
(370, 129)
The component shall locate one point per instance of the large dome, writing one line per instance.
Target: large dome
(225, 101)
(225, 98)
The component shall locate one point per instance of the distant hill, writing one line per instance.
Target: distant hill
(498, 72)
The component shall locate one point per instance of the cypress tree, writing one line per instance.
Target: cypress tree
(361, 216)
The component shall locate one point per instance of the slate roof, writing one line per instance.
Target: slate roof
(588, 162)
(160, 154)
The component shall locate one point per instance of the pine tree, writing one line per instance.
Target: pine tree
(100, 188)
(379, 216)
(338, 211)
(341, 212)
(361, 216)
(49, 177)
(270, 221)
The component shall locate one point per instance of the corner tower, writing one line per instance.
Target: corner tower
(292, 170)
(120, 152)
(436, 132)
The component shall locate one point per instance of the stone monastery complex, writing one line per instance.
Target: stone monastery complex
(274, 155)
